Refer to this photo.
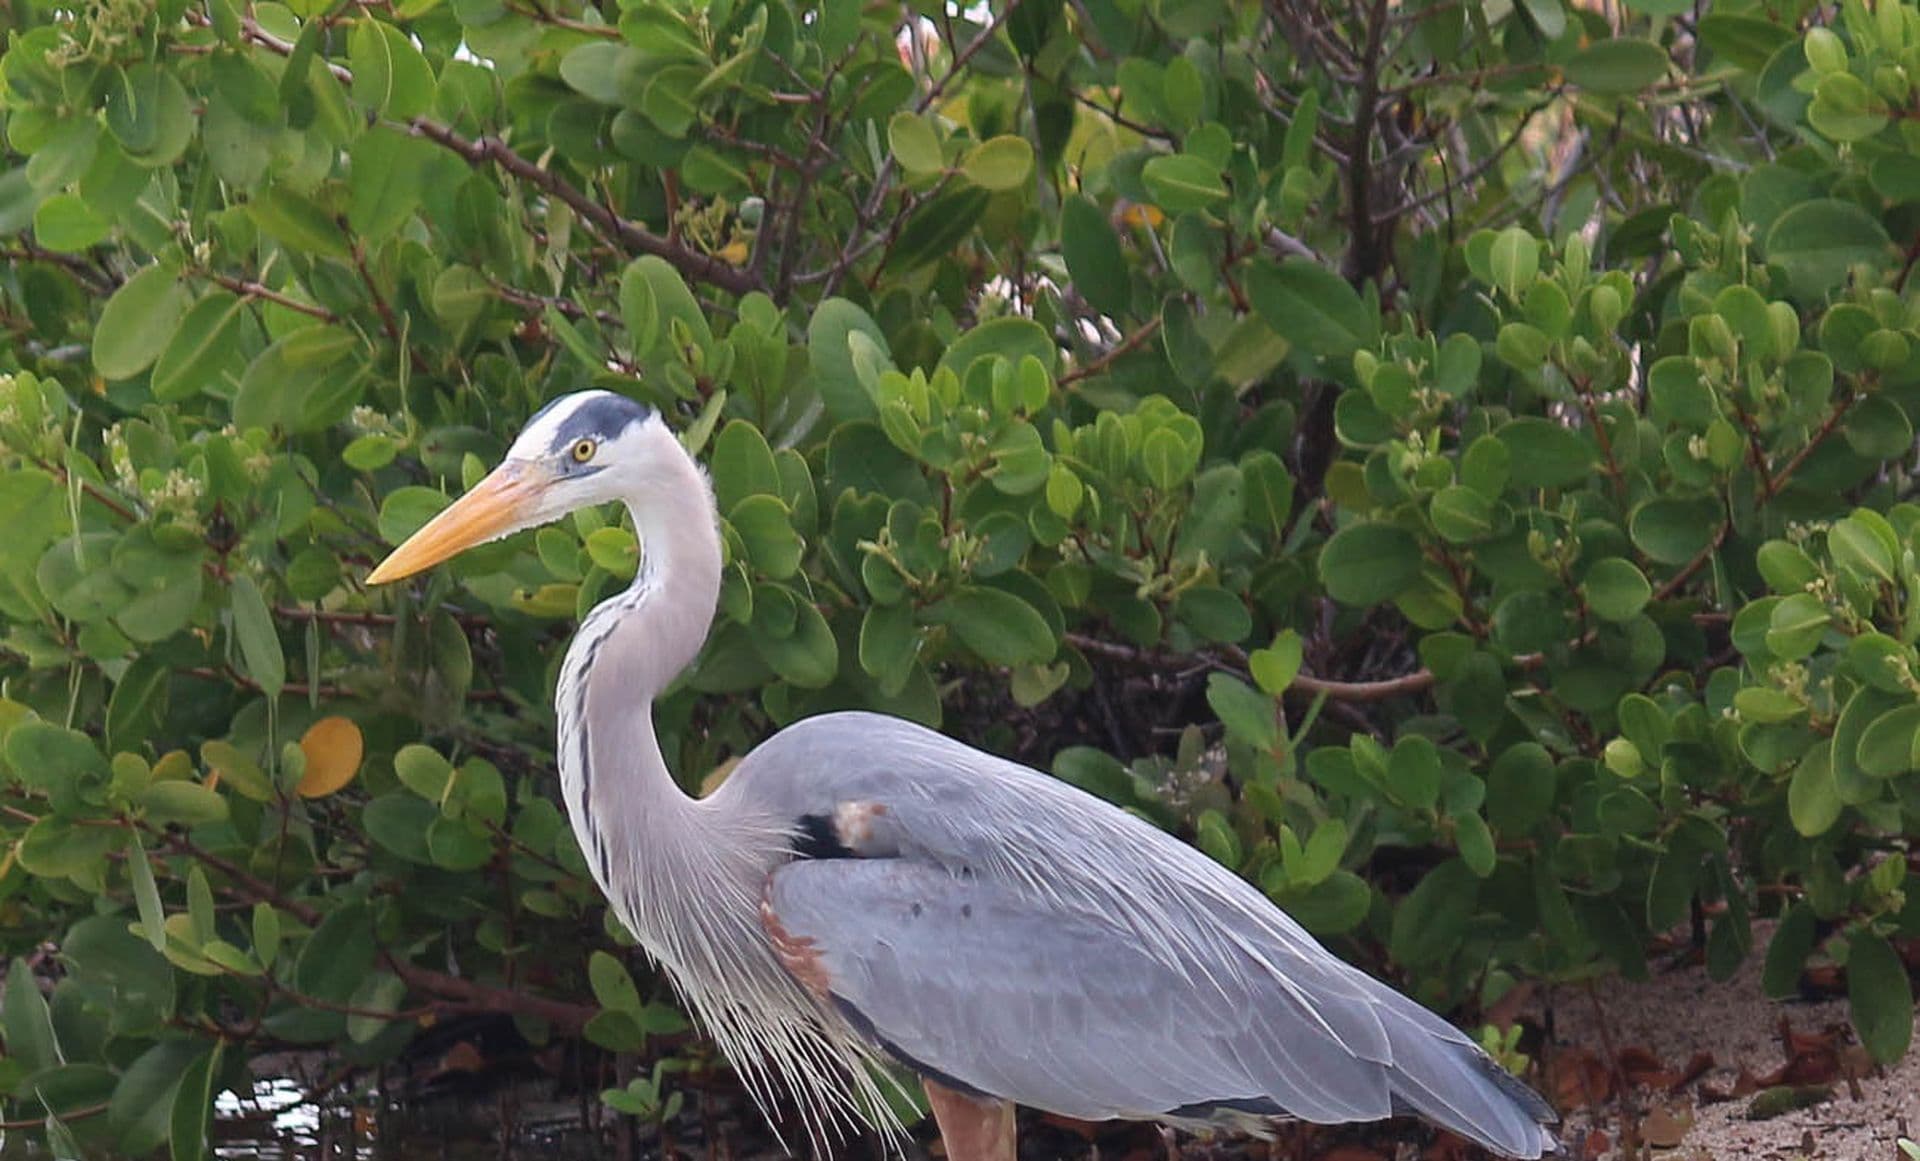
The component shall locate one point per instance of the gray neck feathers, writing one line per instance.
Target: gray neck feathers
(686, 875)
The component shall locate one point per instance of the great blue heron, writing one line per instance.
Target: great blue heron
(861, 887)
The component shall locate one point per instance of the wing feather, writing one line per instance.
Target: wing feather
(1122, 972)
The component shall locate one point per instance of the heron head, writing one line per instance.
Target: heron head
(580, 450)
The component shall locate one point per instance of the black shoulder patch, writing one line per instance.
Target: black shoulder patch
(602, 417)
(816, 838)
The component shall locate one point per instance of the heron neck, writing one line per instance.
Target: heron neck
(627, 812)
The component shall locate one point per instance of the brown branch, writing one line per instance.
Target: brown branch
(1474, 172)
(247, 288)
(99, 281)
(91, 490)
(35, 1123)
(1674, 583)
(1364, 257)
(481, 150)
(1354, 691)
(1768, 491)
(883, 180)
(1130, 343)
(473, 995)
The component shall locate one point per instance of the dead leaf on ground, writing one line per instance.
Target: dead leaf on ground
(1813, 1058)
(1665, 1128)
(1589, 1147)
(1578, 1078)
(1641, 1067)
(1698, 1065)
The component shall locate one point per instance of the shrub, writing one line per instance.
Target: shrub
(1449, 461)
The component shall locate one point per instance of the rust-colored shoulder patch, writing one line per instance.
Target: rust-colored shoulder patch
(799, 955)
(853, 822)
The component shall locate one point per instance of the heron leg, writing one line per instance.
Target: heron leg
(974, 1128)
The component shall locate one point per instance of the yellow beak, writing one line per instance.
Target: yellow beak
(501, 503)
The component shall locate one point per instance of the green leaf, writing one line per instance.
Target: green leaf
(1620, 65)
(1514, 259)
(1247, 713)
(1793, 942)
(807, 654)
(184, 803)
(1862, 549)
(671, 302)
(999, 164)
(387, 178)
(915, 146)
(1616, 590)
(1845, 109)
(1367, 564)
(375, 1001)
(149, 114)
(193, 1107)
(1314, 309)
(888, 643)
(772, 544)
(1880, 996)
(1520, 788)
(1461, 515)
(337, 955)
(1092, 251)
(1430, 922)
(1747, 42)
(44, 755)
(602, 70)
(423, 770)
(259, 641)
(1818, 241)
(613, 986)
(142, 1103)
(146, 893)
(830, 354)
(66, 224)
(27, 1021)
(1475, 842)
(998, 626)
(137, 322)
(406, 510)
(1275, 667)
(390, 77)
(1886, 747)
(204, 342)
(297, 222)
(1671, 530)
(667, 101)
(1545, 454)
(1414, 773)
(1181, 181)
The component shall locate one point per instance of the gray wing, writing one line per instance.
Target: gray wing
(968, 982)
(1068, 955)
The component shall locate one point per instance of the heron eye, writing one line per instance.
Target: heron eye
(583, 450)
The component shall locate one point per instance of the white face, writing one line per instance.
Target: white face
(579, 451)
(587, 448)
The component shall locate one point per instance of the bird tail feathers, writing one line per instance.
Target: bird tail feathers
(1441, 1075)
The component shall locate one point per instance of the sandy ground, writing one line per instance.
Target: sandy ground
(1680, 1013)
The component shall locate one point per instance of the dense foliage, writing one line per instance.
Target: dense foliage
(1449, 459)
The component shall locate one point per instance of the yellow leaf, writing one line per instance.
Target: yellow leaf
(333, 747)
(733, 253)
(716, 776)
